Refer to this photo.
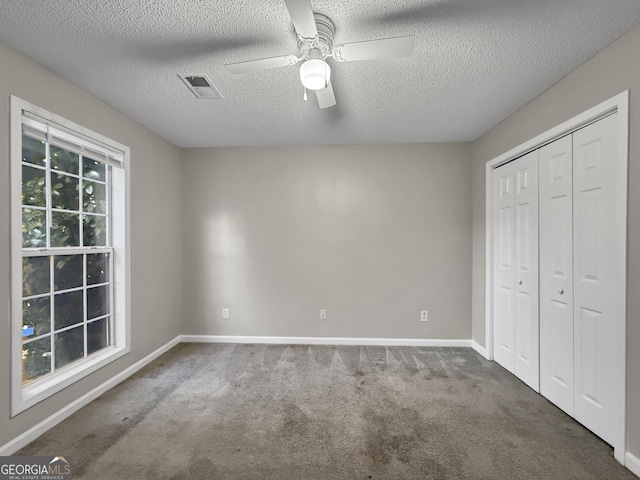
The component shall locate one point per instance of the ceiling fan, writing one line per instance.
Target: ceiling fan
(315, 41)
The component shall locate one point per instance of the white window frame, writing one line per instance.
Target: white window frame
(24, 397)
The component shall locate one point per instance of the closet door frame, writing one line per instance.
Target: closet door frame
(619, 104)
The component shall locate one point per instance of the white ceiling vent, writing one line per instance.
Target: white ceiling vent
(201, 86)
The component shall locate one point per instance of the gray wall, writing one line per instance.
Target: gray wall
(155, 227)
(373, 234)
(615, 69)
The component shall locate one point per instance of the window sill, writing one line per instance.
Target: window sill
(40, 389)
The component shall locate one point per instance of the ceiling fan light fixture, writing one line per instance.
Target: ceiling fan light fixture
(315, 74)
(315, 33)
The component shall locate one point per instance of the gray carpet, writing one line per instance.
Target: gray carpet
(206, 411)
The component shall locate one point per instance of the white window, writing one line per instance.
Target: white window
(69, 253)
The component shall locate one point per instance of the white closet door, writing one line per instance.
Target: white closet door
(526, 270)
(503, 272)
(596, 323)
(556, 273)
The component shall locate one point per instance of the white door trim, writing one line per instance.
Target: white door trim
(620, 104)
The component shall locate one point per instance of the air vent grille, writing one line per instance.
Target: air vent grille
(201, 86)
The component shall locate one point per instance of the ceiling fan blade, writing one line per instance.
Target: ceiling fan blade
(325, 97)
(372, 49)
(302, 17)
(263, 64)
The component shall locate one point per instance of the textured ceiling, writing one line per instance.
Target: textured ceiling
(474, 63)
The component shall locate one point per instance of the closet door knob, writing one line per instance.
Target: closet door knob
(519, 282)
(561, 290)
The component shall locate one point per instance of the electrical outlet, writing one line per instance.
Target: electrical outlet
(424, 316)
(225, 313)
(323, 314)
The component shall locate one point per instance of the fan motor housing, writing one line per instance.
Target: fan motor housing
(324, 42)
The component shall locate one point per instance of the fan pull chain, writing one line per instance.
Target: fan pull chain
(304, 97)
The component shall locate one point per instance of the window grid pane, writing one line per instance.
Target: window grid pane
(34, 181)
(69, 346)
(97, 335)
(65, 192)
(68, 272)
(36, 360)
(67, 297)
(34, 227)
(64, 161)
(51, 314)
(36, 317)
(33, 151)
(35, 277)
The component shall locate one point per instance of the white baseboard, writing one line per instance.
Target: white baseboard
(34, 432)
(632, 463)
(391, 342)
(480, 349)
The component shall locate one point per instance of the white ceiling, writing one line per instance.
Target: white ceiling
(474, 63)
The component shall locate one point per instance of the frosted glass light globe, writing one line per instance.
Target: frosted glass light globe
(315, 74)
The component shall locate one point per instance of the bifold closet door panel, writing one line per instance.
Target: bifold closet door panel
(556, 273)
(503, 271)
(525, 286)
(595, 281)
